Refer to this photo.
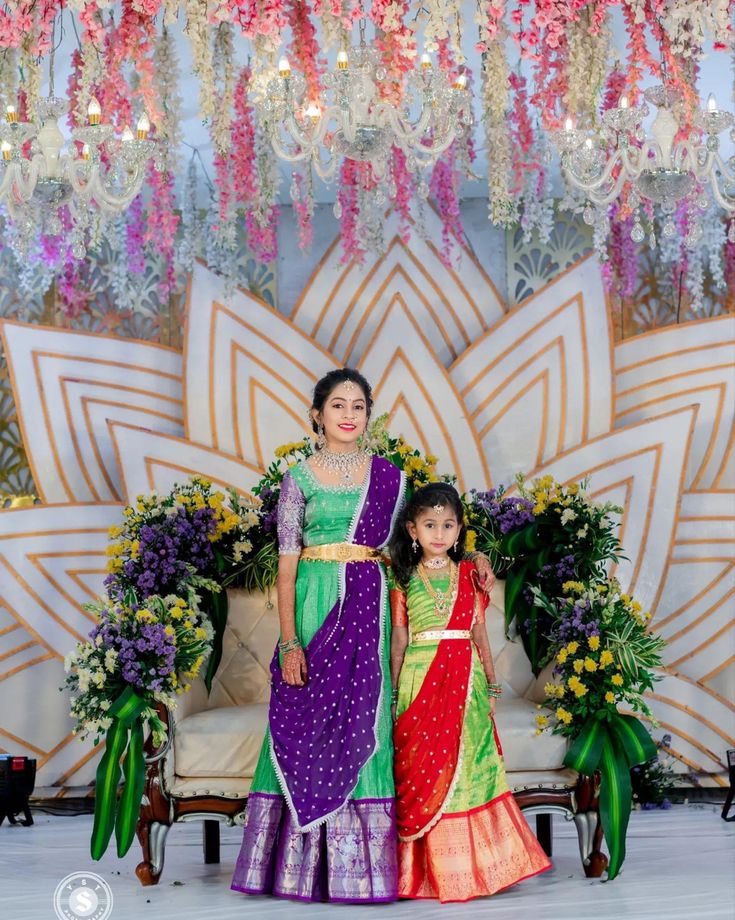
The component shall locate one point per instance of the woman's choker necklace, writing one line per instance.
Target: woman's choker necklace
(346, 464)
(439, 562)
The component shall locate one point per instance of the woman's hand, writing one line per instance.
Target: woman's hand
(485, 573)
(293, 667)
(393, 709)
(492, 702)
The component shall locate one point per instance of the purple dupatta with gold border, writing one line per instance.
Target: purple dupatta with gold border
(322, 734)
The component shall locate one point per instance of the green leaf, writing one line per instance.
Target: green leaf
(216, 606)
(633, 739)
(586, 750)
(521, 542)
(615, 801)
(128, 809)
(105, 790)
(514, 584)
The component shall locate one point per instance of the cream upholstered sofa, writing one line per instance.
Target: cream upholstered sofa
(204, 774)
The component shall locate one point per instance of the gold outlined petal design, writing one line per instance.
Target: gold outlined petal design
(244, 362)
(343, 305)
(42, 550)
(702, 722)
(155, 462)
(647, 460)
(539, 381)
(417, 392)
(692, 363)
(698, 597)
(67, 385)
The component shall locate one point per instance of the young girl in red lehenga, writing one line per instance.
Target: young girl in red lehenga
(461, 834)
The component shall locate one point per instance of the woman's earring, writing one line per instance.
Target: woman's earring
(415, 546)
(321, 441)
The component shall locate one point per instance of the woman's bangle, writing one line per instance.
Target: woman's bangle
(394, 695)
(289, 645)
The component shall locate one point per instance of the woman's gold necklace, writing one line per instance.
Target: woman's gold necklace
(442, 599)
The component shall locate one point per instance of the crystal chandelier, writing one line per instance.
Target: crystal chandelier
(353, 120)
(664, 168)
(99, 174)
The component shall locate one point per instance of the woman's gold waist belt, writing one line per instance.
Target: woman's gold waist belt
(436, 635)
(341, 552)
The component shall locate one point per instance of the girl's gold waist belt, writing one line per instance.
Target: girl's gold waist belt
(436, 635)
(341, 552)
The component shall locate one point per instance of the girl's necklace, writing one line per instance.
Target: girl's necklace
(442, 599)
(336, 462)
(439, 562)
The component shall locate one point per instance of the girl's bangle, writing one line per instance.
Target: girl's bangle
(289, 645)
(494, 690)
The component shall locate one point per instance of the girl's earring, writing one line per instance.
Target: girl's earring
(415, 546)
(455, 544)
(321, 441)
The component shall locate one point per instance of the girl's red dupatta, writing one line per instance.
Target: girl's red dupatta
(428, 735)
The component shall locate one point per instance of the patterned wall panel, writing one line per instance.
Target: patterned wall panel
(690, 364)
(74, 383)
(539, 388)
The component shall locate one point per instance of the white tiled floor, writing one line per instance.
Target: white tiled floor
(680, 866)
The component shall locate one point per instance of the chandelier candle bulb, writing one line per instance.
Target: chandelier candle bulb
(623, 104)
(85, 152)
(460, 82)
(569, 124)
(127, 135)
(313, 112)
(343, 61)
(6, 150)
(11, 116)
(144, 126)
(426, 61)
(94, 111)
(284, 68)
(711, 103)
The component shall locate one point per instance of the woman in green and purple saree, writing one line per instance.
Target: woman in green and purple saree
(320, 822)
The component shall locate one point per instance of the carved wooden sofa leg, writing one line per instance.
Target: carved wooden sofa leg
(589, 827)
(155, 813)
(152, 837)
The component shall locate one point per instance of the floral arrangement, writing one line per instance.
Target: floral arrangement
(604, 656)
(654, 781)
(542, 535)
(139, 657)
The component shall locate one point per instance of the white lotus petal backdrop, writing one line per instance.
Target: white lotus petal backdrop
(490, 389)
